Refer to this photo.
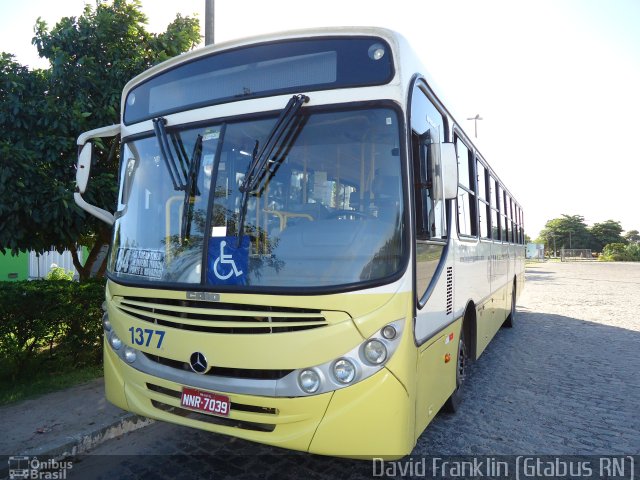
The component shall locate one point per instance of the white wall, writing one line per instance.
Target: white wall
(40, 265)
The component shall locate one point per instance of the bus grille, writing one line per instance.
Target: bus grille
(251, 374)
(203, 417)
(217, 317)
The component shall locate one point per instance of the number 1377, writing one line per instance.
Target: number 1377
(141, 336)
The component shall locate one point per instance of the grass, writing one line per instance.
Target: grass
(45, 381)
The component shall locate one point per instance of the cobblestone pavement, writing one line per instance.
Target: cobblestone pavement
(563, 381)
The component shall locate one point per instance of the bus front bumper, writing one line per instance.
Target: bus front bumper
(371, 418)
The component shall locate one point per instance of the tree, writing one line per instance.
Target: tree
(43, 111)
(632, 236)
(569, 231)
(605, 233)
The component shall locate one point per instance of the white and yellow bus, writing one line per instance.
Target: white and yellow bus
(307, 248)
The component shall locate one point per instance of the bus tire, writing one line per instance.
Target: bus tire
(453, 402)
(510, 320)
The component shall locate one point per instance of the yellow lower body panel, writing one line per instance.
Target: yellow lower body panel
(436, 376)
(369, 419)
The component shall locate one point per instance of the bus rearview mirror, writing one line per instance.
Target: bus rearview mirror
(84, 169)
(84, 166)
(449, 162)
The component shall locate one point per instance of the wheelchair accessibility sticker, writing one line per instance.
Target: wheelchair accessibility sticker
(228, 263)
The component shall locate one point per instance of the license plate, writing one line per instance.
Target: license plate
(206, 402)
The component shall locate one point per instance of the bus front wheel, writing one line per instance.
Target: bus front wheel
(453, 402)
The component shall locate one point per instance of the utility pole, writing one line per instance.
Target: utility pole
(554, 243)
(209, 23)
(475, 123)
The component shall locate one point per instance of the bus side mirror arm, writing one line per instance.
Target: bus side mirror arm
(449, 161)
(84, 168)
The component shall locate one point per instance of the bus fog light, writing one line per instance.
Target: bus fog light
(115, 341)
(375, 352)
(130, 354)
(309, 381)
(106, 324)
(344, 371)
(389, 332)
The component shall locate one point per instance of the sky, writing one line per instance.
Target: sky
(556, 82)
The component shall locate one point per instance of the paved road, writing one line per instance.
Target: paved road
(563, 381)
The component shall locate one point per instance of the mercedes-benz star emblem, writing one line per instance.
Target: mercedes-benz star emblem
(198, 362)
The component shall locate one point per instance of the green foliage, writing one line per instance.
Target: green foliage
(604, 233)
(620, 252)
(59, 273)
(632, 236)
(43, 321)
(569, 231)
(43, 111)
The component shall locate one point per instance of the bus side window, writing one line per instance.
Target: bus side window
(427, 125)
(484, 210)
(466, 191)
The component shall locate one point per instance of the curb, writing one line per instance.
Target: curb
(82, 442)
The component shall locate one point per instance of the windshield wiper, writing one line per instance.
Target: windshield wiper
(167, 156)
(183, 173)
(263, 164)
(191, 188)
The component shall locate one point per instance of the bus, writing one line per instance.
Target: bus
(308, 250)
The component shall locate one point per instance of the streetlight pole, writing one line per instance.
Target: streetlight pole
(209, 14)
(475, 123)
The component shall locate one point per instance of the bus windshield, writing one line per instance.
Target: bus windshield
(329, 211)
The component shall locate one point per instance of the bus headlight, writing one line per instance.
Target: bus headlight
(106, 324)
(309, 381)
(130, 355)
(356, 365)
(389, 332)
(115, 341)
(344, 371)
(375, 352)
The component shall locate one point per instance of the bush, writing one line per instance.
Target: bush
(620, 252)
(59, 273)
(49, 320)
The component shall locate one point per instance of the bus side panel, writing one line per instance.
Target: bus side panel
(490, 317)
(436, 376)
(438, 311)
(500, 269)
(472, 281)
(520, 269)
